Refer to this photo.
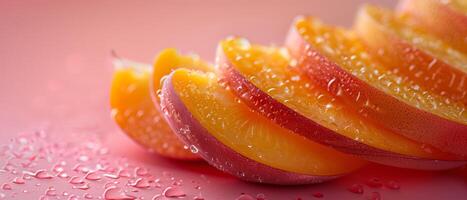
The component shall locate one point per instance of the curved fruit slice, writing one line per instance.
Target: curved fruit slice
(234, 139)
(261, 77)
(446, 19)
(134, 112)
(407, 51)
(335, 59)
(170, 60)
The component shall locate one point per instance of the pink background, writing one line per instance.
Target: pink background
(55, 72)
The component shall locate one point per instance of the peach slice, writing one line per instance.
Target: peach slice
(169, 60)
(336, 60)
(262, 78)
(446, 19)
(236, 140)
(134, 111)
(413, 54)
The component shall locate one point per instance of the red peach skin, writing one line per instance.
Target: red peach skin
(394, 114)
(216, 153)
(263, 103)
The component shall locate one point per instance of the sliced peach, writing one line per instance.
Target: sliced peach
(262, 78)
(336, 60)
(446, 19)
(234, 139)
(169, 60)
(134, 111)
(413, 54)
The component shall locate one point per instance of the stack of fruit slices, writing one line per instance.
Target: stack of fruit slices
(389, 91)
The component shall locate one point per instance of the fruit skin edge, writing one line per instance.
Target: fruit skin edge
(217, 154)
(448, 135)
(299, 124)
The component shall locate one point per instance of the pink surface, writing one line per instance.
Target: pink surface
(55, 74)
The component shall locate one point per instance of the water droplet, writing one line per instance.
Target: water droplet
(260, 196)
(245, 197)
(356, 188)
(193, 149)
(83, 158)
(141, 171)
(374, 196)
(116, 193)
(392, 185)
(374, 182)
(93, 176)
(63, 175)
(42, 174)
(82, 187)
(76, 180)
(318, 195)
(88, 196)
(73, 197)
(19, 180)
(141, 183)
(173, 192)
(198, 197)
(124, 173)
(6, 186)
(51, 192)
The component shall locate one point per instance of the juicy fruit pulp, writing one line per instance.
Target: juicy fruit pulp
(445, 19)
(268, 69)
(134, 111)
(169, 60)
(233, 124)
(412, 53)
(336, 60)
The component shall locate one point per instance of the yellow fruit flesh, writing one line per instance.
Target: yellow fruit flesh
(169, 60)
(236, 126)
(136, 114)
(268, 69)
(401, 26)
(343, 48)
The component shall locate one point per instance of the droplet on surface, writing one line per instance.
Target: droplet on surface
(393, 185)
(42, 174)
(374, 182)
(318, 195)
(374, 196)
(260, 196)
(76, 180)
(141, 183)
(82, 187)
(356, 188)
(19, 180)
(93, 176)
(141, 171)
(173, 192)
(245, 197)
(51, 192)
(116, 193)
(6, 186)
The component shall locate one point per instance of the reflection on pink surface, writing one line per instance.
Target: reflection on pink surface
(58, 141)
